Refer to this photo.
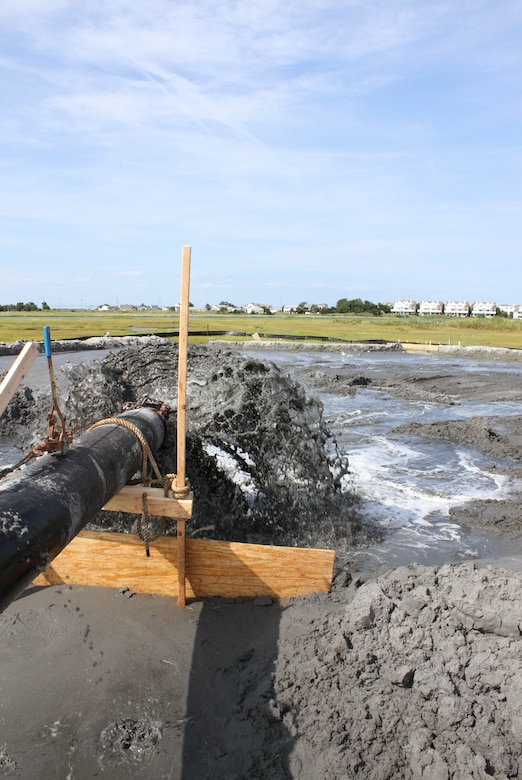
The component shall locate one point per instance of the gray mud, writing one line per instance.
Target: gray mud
(447, 384)
(418, 676)
(413, 674)
(406, 674)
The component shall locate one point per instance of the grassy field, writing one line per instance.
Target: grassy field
(496, 332)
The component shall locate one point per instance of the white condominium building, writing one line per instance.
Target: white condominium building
(484, 309)
(456, 309)
(431, 307)
(404, 307)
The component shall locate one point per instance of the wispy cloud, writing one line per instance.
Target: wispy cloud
(380, 135)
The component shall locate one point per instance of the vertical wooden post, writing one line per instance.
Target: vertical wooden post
(182, 366)
(180, 486)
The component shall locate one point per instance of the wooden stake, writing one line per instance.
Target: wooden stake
(180, 488)
(182, 367)
(17, 373)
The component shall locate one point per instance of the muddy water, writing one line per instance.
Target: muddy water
(407, 483)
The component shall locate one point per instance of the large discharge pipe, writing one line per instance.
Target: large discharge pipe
(44, 508)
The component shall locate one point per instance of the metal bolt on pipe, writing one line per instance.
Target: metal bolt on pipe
(45, 506)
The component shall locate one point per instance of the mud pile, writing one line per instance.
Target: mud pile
(418, 676)
(261, 462)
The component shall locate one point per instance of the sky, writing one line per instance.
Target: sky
(307, 150)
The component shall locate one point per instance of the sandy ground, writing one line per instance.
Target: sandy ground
(410, 673)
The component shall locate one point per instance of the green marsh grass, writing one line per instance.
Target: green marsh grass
(496, 332)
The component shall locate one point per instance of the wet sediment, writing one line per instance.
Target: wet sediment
(406, 674)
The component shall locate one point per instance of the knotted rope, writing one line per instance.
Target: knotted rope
(143, 526)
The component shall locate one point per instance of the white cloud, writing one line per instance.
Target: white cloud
(260, 132)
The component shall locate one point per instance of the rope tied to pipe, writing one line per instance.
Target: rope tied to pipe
(143, 524)
(147, 456)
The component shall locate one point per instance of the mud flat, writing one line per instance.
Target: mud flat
(412, 673)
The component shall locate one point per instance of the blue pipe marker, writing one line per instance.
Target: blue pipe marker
(47, 340)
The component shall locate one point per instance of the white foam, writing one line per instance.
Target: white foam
(229, 465)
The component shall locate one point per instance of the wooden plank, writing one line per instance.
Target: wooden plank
(231, 569)
(129, 499)
(17, 373)
(213, 568)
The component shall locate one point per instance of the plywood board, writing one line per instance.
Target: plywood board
(17, 373)
(213, 568)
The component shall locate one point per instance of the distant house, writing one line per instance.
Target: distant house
(508, 308)
(456, 309)
(430, 307)
(484, 309)
(255, 308)
(289, 309)
(404, 307)
(517, 313)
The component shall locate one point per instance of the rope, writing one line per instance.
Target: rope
(144, 527)
(143, 523)
(146, 451)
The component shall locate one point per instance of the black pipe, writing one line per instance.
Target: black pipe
(47, 504)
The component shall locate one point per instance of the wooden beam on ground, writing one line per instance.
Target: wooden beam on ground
(213, 568)
(17, 373)
(129, 499)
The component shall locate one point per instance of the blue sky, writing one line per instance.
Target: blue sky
(307, 150)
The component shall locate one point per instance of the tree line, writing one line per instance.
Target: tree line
(347, 306)
(343, 306)
(21, 306)
(358, 306)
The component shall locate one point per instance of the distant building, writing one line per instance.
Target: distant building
(484, 309)
(507, 308)
(404, 307)
(430, 307)
(255, 308)
(220, 307)
(456, 309)
(517, 313)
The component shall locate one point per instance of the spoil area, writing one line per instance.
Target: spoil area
(403, 674)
